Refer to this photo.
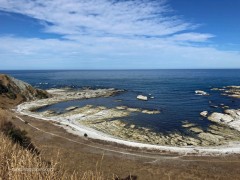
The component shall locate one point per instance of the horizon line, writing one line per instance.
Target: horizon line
(118, 69)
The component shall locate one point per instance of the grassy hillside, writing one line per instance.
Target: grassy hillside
(20, 159)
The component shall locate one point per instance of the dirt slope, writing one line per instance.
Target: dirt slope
(13, 91)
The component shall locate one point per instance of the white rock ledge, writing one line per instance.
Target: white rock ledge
(143, 98)
(230, 118)
(72, 125)
(201, 93)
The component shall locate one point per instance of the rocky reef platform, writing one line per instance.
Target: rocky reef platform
(108, 124)
(229, 117)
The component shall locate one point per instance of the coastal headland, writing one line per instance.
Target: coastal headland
(82, 133)
(105, 124)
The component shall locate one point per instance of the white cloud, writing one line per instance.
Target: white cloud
(191, 37)
(101, 17)
(111, 31)
(59, 54)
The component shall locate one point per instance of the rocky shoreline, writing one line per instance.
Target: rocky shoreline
(66, 94)
(107, 122)
(229, 117)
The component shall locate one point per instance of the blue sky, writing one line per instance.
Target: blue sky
(117, 34)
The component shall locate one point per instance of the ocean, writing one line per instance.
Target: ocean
(173, 92)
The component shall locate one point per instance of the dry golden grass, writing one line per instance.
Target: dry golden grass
(18, 163)
(4, 116)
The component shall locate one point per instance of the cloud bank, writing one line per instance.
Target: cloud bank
(111, 34)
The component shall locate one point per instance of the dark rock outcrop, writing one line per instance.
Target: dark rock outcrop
(16, 91)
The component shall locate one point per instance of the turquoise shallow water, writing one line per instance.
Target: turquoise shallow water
(173, 92)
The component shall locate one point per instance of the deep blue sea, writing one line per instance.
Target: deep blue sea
(173, 91)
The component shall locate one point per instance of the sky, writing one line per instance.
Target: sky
(119, 34)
